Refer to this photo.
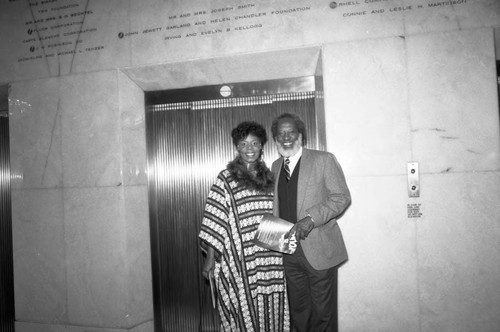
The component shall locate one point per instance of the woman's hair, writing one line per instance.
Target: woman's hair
(301, 127)
(246, 128)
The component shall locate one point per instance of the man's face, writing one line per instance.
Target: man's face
(288, 138)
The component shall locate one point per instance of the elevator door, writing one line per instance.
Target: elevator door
(187, 146)
(6, 251)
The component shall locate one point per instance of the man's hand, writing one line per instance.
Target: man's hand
(302, 228)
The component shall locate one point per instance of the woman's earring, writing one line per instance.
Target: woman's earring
(236, 154)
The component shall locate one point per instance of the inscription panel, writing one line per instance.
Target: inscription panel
(68, 36)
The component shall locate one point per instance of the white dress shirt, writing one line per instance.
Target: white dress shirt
(294, 160)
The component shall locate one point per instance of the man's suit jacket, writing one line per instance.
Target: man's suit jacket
(322, 193)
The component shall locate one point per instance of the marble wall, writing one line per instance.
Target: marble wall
(400, 104)
(413, 84)
(53, 38)
(80, 211)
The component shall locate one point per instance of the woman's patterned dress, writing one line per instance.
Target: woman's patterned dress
(250, 279)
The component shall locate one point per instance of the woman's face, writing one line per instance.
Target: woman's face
(249, 148)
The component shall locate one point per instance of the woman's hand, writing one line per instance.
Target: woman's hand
(209, 266)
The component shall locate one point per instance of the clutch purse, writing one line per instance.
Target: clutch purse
(271, 234)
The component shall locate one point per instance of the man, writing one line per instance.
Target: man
(310, 192)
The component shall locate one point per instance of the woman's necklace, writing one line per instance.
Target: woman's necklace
(251, 167)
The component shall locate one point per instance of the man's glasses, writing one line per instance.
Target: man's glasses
(292, 134)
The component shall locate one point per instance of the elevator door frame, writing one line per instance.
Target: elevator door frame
(161, 311)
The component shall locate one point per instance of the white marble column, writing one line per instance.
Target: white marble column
(80, 213)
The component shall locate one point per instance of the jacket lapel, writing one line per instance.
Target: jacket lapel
(276, 169)
(304, 177)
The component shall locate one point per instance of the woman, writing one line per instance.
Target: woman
(250, 280)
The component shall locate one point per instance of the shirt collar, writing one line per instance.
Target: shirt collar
(294, 160)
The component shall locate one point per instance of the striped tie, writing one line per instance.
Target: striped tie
(287, 169)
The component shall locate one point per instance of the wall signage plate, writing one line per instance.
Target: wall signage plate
(413, 180)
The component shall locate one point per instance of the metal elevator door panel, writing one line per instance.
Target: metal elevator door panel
(7, 314)
(186, 148)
